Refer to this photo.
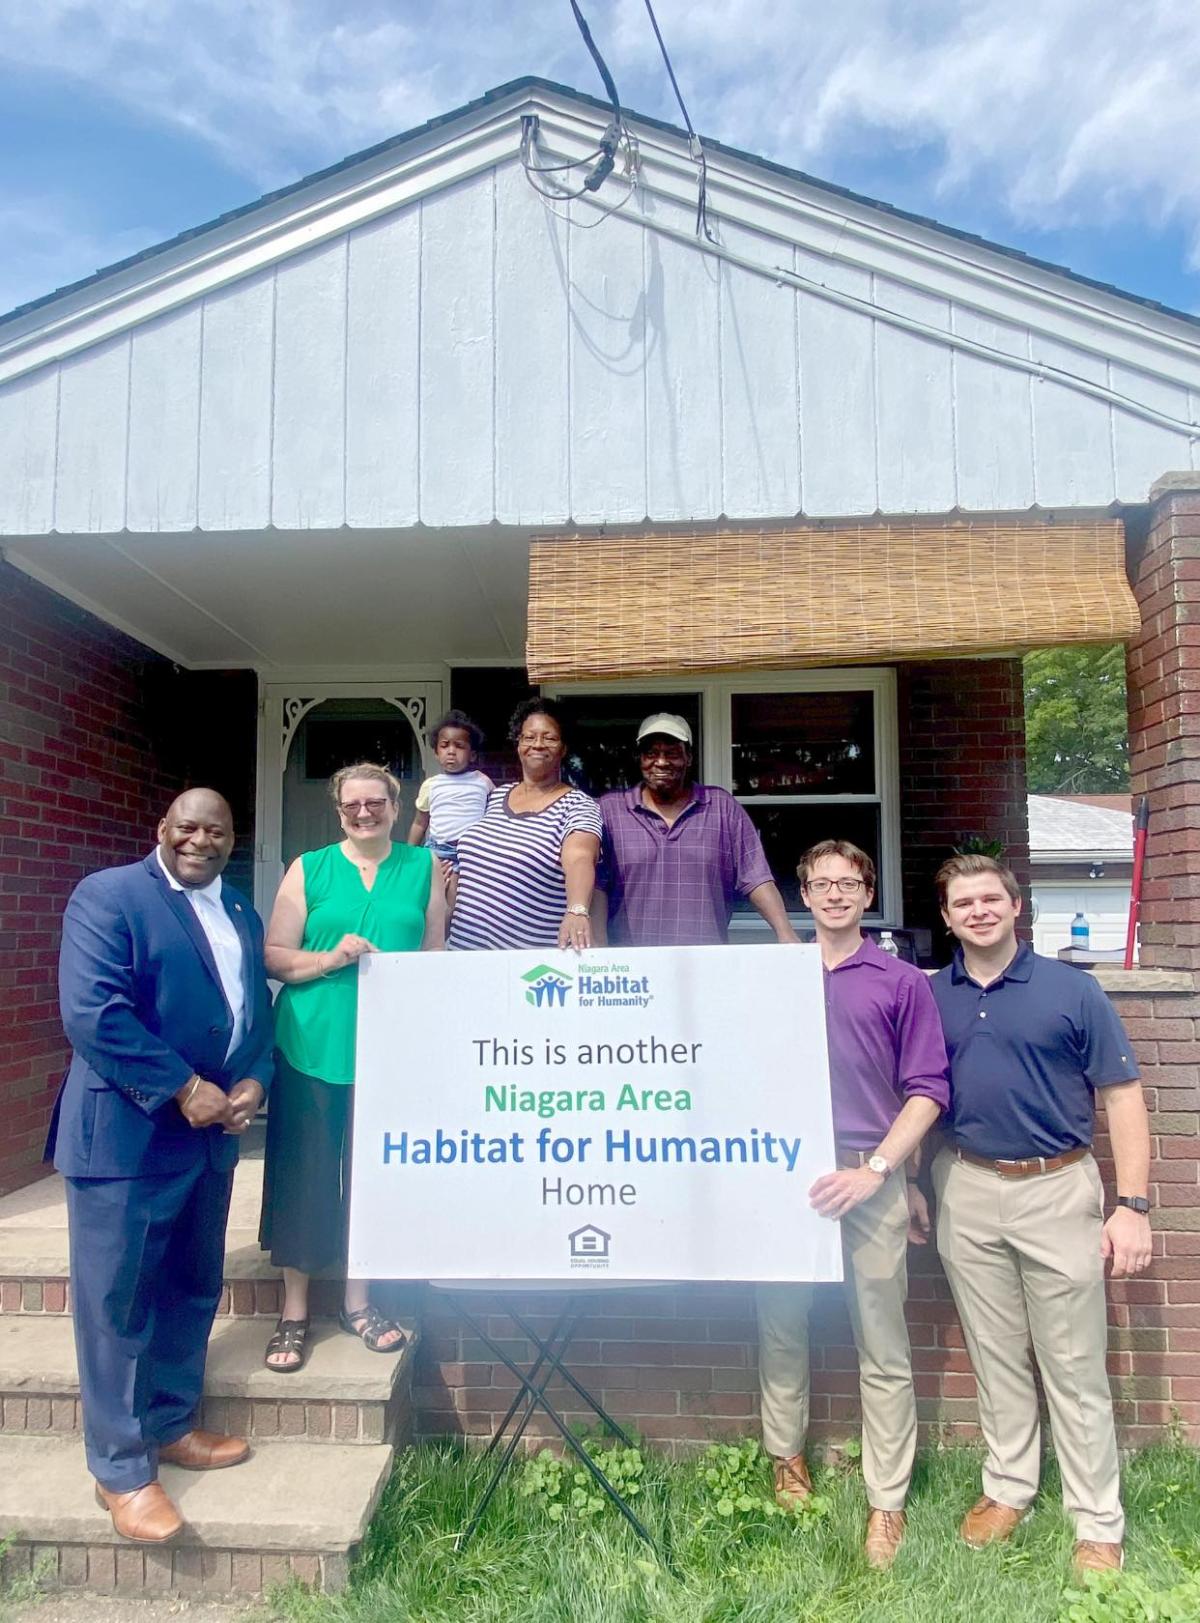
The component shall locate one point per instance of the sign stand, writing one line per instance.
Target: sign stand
(550, 1352)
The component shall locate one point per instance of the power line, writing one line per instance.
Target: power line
(695, 146)
(601, 64)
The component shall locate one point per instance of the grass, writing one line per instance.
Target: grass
(523, 1566)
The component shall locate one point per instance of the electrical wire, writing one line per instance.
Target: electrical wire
(695, 145)
(553, 192)
(1041, 371)
(601, 64)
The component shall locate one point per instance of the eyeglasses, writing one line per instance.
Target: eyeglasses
(822, 887)
(349, 807)
(540, 738)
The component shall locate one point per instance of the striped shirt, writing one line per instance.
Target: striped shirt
(511, 890)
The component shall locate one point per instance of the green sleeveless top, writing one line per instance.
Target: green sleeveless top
(315, 1020)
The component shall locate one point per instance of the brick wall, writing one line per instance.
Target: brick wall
(962, 772)
(1154, 1342)
(1163, 667)
(97, 733)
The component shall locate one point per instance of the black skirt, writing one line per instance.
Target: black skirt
(306, 1180)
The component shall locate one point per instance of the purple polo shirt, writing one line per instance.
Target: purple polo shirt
(885, 1044)
(676, 886)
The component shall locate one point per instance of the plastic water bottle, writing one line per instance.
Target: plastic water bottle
(888, 945)
(1081, 935)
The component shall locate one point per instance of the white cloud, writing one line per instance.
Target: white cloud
(1057, 113)
(1067, 112)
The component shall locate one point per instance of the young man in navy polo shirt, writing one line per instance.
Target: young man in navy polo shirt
(1020, 1226)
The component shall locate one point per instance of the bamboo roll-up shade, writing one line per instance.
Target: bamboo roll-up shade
(645, 605)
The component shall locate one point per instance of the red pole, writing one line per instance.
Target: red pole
(1141, 825)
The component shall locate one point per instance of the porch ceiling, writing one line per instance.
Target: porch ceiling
(318, 598)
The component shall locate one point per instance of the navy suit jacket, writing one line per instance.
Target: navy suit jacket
(143, 1010)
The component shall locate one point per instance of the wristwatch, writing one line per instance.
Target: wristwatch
(1136, 1203)
(878, 1164)
(580, 909)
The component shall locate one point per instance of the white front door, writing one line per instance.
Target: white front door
(307, 731)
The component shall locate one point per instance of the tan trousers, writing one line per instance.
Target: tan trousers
(1023, 1259)
(875, 1249)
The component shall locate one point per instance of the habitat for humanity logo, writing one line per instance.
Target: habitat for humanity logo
(545, 987)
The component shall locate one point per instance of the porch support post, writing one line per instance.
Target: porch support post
(1163, 666)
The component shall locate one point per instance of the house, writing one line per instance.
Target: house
(408, 433)
(1080, 861)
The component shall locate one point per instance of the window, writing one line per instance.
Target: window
(810, 754)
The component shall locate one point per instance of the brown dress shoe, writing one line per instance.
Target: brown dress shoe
(145, 1516)
(793, 1485)
(989, 1522)
(885, 1534)
(1091, 1556)
(204, 1451)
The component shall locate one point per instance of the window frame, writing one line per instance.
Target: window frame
(715, 765)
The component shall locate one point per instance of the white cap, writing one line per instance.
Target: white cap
(665, 725)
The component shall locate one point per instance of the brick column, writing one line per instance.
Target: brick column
(962, 773)
(1164, 720)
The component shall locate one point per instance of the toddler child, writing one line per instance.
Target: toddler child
(456, 797)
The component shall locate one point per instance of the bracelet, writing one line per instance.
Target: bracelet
(580, 910)
(196, 1081)
(325, 973)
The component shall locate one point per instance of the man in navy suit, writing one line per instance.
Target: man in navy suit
(165, 1003)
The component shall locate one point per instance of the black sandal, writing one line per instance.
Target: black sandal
(370, 1326)
(291, 1336)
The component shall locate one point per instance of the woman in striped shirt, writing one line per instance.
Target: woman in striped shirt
(527, 869)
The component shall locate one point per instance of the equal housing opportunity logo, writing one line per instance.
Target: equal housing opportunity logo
(547, 988)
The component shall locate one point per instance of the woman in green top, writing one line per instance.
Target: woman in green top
(365, 894)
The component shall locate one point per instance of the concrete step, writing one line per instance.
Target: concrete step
(281, 1514)
(344, 1394)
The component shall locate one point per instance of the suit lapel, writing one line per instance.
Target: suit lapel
(183, 910)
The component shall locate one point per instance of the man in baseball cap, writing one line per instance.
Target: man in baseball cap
(677, 854)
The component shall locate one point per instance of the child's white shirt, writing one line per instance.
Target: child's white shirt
(453, 801)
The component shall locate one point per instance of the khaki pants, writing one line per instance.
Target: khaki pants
(875, 1248)
(1023, 1259)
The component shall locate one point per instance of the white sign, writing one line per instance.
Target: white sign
(650, 1113)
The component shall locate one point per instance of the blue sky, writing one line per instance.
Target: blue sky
(1061, 127)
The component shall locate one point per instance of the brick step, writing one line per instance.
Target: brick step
(344, 1394)
(27, 1289)
(279, 1515)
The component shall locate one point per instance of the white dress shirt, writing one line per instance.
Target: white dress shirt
(224, 940)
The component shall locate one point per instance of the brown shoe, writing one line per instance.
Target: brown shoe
(989, 1522)
(1091, 1556)
(793, 1485)
(885, 1534)
(145, 1516)
(204, 1451)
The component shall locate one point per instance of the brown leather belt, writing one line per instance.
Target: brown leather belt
(1032, 1167)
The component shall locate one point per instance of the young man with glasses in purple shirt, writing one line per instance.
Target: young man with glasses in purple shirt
(889, 1082)
(678, 854)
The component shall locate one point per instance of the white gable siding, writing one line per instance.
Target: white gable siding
(469, 358)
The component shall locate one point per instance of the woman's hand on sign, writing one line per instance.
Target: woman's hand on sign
(837, 1193)
(348, 951)
(575, 931)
